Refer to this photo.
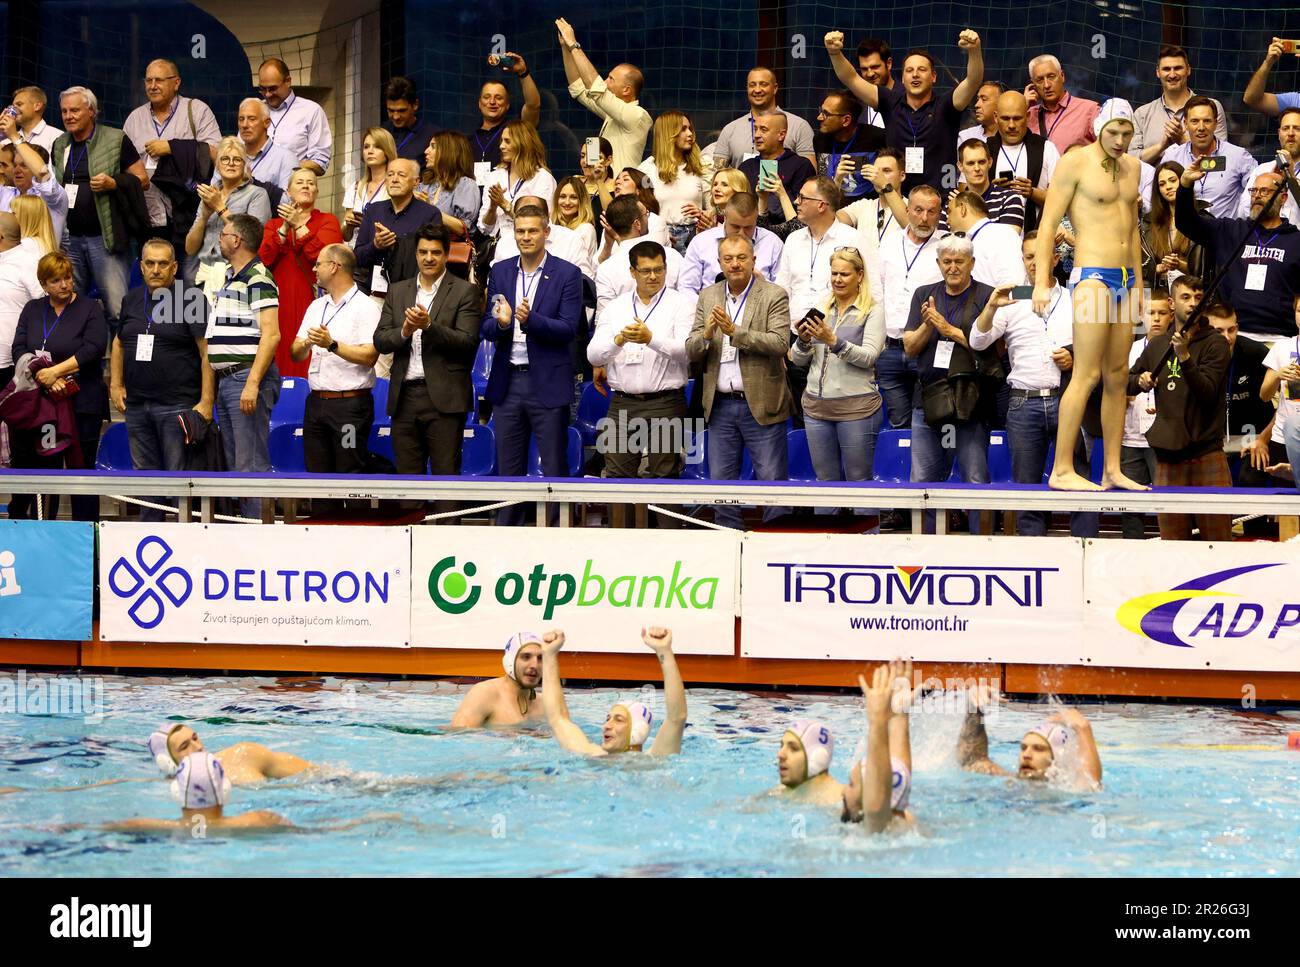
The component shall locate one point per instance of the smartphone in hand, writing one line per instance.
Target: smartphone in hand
(592, 148)
(1214, 163)
(1019, 293)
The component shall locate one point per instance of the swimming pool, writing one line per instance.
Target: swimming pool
(517, 805)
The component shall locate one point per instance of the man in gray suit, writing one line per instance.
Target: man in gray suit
(430, 325)
(742, 332)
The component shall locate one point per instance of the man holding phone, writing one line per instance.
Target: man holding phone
(1024, 161)
(1227, 167)
(613, 98)
(775, 161)
(494, 107)
(1005, 206)
(1259, 99)
(844, 147)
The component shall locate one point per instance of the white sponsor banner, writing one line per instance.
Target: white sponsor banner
(1156, 604)
(860, 597)
(474, 589)
(255, 585)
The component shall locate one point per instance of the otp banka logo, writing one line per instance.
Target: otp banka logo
(450, 588)
(148, 579)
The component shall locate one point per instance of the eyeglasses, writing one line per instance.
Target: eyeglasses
(953, 235)
(229, 235)
(159, 80)
(803, 197)
(655, 270)
(1261, 191)
(847, 248)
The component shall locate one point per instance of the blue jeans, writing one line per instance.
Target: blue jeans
(843, 449)
(92, 263)
(932, 461)
(1292, 435)
(733, 429)
(896, 377)
(244, 438)
(157, 443)
(1031, 432)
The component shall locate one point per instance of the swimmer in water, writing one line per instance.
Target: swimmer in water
(1041, 748)
(880, 785)
(243, 762)
(628, 724)
(202, 787)
(511, 698)
(802, 762)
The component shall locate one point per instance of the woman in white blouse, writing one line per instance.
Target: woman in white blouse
(377, 149)
(571, 208)
(522, 172)
(676, 176)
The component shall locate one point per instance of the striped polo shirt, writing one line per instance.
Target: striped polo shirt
(233, 329)
(1005, 206)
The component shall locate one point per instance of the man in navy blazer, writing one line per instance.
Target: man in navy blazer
(534, 305)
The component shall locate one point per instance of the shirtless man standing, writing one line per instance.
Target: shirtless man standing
(1097, 186)
(510, 698)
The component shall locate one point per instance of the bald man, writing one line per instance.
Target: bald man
(770, 134)
(736, 141)
(1029, 158)
(386, 238)
(156, 127)
(613, 98)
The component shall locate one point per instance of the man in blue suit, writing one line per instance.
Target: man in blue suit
(534, 306)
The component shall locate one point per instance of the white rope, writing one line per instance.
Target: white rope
(474, 510)
(172, 510)
(690, 520)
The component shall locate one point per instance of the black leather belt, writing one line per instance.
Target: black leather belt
(645, 397)
(893, 343)
(519, 367)
(730, 396)
(1035, 394)
(223, 373)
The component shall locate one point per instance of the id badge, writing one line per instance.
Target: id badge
(481, 171)
(144, 348)
(943, 354)
(747, 155)
(378, 281)
(519, 335)
(72, 194)
(1255, 277)
(914, 160)
(728, 352)
(150, 162)
(633, 353)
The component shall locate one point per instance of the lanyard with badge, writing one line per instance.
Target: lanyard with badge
(536, 281)
(914, 155)
(70, 185)
(275, 125)
(907, 266)
(728, 350)
(144, 342)
(409, 135)
(47, 330)
(1257, 272)
(884, 227)
(1047, 323)
(944, 347)
(634, 351)
(1059, 114)
(1015, 164)
(151, 162)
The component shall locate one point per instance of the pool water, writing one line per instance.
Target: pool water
(434, 802)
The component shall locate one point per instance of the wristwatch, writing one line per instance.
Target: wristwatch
(887, 189)
(334, 346)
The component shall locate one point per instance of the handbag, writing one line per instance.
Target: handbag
(939, 403)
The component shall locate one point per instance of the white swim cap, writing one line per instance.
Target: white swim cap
(818, 745)
(641, 718)
(157, 743)
(516, 642)
(1116, 109)
(1057, 735)
(200, 782)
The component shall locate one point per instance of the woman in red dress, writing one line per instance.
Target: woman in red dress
(290, 244)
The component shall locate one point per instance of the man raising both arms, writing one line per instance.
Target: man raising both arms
(511, 698)
(1098, 186)
(628, 724)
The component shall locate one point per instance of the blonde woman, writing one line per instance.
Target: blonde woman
(451, 190)
(571, 209)
(377, 149)
(725, 183)
(232, 193)
(35, 227)
(676, 176)
(841, 404)
(522, 172)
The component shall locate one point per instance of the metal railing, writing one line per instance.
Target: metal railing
(205, 489)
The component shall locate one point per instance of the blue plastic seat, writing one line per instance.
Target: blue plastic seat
(574, 455)
(381, 441)
(592, 408)
(285, 444)
(293, 400)
(999, 457)
(893, 463)
(381, 403)
(478, 456)
(700, 470)
(800, 465)
(114, 449)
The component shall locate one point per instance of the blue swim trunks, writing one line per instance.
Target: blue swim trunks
(1119, 281)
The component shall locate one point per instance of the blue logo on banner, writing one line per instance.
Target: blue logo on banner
(144, 579)
(46, 579)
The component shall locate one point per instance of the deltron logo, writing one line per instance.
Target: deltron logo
(149, 579)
